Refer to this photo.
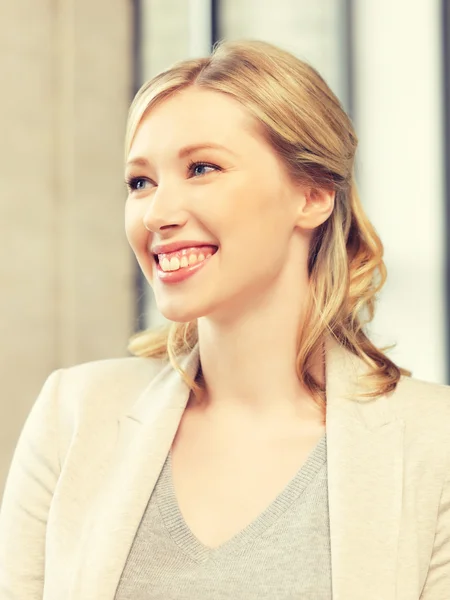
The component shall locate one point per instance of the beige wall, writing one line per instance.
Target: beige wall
(66, 272)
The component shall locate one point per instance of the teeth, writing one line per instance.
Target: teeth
(175, 263)
(165, 265)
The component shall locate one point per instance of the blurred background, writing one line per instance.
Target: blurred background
(71, 290)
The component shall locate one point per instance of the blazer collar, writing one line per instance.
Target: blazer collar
(365, 464)
(344, 372)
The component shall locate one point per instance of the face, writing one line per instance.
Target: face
(235, 197)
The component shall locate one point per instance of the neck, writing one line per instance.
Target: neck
(251, 367)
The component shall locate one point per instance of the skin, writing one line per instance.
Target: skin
(249, 299)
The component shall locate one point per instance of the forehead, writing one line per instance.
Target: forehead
(196, 115)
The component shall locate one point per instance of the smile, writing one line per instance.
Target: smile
(180, 265)
(186, 257)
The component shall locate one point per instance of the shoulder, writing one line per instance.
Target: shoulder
(424, 407)
(80, 405)
(424, 398)
(114, 371)
(107, 386)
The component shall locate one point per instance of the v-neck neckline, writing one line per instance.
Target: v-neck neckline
(191, 545)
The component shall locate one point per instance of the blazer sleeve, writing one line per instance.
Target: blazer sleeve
(27, 498)
(437, 584)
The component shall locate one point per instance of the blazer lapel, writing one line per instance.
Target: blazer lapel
(365, 466)
(145, 436)
(365, 475)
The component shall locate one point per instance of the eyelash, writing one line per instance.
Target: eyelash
(132, 181)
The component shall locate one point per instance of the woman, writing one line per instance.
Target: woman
(260, 446)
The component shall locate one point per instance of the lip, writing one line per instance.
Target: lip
(174, 246)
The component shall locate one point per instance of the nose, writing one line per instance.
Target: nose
(165, 209)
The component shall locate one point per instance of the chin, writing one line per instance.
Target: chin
(180, 314)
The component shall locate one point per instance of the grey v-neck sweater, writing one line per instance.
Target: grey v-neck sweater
(284, 554)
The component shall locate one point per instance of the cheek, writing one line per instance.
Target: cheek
(244, 219)
(259, 199)
(136, 234)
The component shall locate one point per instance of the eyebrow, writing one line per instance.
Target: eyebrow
(183, 152)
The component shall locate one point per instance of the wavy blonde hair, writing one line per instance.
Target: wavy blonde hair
(306, 126)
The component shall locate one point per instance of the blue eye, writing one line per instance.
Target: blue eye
(136, 183)
(193, 166)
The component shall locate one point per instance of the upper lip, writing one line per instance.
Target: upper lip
(174, 246)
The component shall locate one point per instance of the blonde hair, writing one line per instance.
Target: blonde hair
(306, 126)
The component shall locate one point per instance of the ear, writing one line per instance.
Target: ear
(316, 207)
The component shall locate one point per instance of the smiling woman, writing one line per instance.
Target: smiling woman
(277, 191)
(260, 445)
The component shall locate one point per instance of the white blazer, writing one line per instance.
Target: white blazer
(95, 441)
